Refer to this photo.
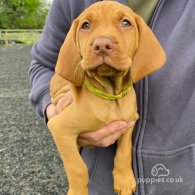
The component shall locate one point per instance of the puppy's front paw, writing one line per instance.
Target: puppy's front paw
(124, 184)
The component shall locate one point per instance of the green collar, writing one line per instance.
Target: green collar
(105, 95)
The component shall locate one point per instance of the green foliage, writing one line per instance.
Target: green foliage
(22, 14)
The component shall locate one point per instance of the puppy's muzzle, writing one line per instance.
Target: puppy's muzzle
(106, 70)
(103, 47)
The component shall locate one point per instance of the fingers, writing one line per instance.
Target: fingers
(105, 136)
(107, 141)
(50, 111)
(110, 129)
(63, 102)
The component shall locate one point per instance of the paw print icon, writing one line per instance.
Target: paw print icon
(159, 170)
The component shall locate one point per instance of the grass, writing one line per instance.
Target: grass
(27, 37)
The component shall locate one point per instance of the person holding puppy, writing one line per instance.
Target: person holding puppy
(164, 133)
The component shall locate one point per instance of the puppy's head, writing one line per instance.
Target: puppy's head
(109, 39)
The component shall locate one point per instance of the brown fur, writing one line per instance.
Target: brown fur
(135, 54)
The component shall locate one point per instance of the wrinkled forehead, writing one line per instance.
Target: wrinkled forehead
(107, 10)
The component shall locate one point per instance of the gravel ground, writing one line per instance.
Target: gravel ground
(29, 161)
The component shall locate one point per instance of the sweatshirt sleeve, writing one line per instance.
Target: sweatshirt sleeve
(45, 54)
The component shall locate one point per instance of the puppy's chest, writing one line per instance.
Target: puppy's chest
(100, 111)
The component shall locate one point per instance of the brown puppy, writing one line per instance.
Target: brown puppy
(107, 49)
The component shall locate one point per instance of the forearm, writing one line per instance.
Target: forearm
(40, 77)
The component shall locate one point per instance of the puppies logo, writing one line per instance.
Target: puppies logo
(160, 170)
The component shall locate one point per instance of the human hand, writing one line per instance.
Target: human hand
(105, 136)
(63, 102)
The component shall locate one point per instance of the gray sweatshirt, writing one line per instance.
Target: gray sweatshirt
(164, 137)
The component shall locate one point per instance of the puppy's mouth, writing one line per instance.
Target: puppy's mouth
(106, 71)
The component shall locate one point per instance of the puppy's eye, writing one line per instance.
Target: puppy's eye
(125, 23)
(86, 26)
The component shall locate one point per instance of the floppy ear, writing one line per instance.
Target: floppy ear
(68, 63)
(149, 55)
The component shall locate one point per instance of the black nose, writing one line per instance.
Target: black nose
(102, 46)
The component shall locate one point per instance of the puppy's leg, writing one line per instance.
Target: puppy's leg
(124, 180)
(75, 167)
